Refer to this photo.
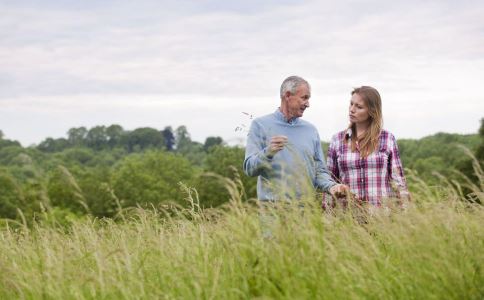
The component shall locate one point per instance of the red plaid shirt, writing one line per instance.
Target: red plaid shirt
(378, 176)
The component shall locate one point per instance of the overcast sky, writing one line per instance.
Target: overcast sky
(203, 63)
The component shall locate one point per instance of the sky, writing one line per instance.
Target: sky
(213, 65)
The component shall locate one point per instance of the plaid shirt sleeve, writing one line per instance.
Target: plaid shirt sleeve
(395, 168)
(332, 165)
(332, 161)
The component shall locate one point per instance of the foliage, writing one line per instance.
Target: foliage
(150, 178)
(221, 163)
(212, 141)
(97, 191)
(64, 191)
(480, 149)
(438, 153)
(9, 143)
(77, 136)
(93, 170)
(143, 138)
(10, 196)
(169, 138)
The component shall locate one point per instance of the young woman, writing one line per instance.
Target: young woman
(365, 156)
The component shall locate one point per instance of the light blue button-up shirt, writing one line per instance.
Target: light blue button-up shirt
(293, 172)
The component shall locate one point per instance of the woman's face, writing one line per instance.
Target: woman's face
(358, 110)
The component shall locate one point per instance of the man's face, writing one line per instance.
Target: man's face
(298, 102)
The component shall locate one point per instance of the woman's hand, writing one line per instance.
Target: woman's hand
(339, 190)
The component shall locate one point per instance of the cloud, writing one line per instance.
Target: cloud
(217, 57)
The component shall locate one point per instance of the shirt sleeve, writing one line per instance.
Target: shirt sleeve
(323, 176)
(256, 158)
(333, 158)
(395, 168)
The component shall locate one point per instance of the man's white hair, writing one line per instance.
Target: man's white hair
(291, 84)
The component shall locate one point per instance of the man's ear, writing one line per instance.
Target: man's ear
(287, 95)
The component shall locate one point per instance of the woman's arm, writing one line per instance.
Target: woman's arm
(332, 160)
(395, 169)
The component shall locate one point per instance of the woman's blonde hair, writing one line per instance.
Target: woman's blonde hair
(370, 139)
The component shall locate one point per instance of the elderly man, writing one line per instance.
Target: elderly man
(284, 151)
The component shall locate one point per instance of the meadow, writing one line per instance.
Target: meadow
(431, 249)
(102, 215)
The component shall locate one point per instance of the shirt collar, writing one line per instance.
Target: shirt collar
(348, 133)
(280, 116)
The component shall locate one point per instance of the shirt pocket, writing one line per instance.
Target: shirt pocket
(377, 164)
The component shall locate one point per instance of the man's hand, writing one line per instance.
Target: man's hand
(277, 144)
(339, 190)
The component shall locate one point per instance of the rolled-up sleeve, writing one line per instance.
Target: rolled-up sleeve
(395, 168)
(333, 158)
(256, 159)
(323, 176)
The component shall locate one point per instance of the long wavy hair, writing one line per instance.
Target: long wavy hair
(369, 142)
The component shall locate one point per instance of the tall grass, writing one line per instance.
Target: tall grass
(430, 250)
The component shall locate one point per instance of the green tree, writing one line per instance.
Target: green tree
(64, 191)
(151, 178)
(212, 141)
(115, 134)
(77, 136)
(96, 138)
(36, 198)
(437, 153)
(143, 138)
(182, 139)
(8, 154)
(480, 149)
(54, 145)
(466, 166)
(193, 151)
(11, 196)
(77, 156)
(97, 191)
(169, 138)
(23, 168)
(8, 143)
(224, 162)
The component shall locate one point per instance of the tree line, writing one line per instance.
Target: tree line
(102, 169)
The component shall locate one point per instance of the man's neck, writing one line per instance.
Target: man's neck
(285, 113)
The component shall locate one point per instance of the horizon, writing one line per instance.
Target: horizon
(229, 143)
